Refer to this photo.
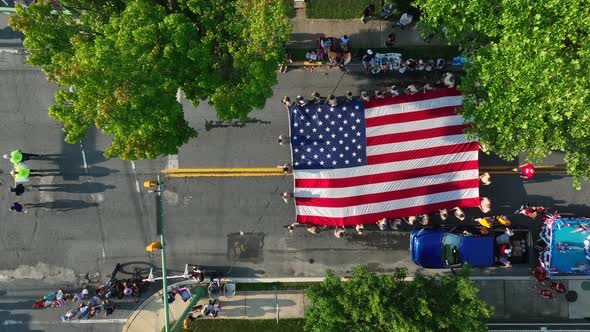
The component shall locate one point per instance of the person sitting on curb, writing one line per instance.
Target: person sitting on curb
(368, 61)
(404, 21)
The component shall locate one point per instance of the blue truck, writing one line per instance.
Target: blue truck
(446, 248)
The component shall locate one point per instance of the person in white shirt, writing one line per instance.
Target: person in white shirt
(404, 20)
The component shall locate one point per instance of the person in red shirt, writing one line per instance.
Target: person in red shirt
(527, 170)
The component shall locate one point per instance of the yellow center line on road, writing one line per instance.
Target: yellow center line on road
(275, 171)
(557, 167)
(225, 170)
(536, 172)
(196, 175)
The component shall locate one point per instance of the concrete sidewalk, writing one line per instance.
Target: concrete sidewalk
(244, 305)
(513, 299)
(371, 34)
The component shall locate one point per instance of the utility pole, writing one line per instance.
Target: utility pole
(160, 230)
(158, 186)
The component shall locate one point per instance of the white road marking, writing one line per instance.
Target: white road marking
(84, 157)
(172, 161)
(137, 187)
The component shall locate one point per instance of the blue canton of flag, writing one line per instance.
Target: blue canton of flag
(326, 137)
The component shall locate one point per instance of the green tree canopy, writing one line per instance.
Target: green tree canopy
(125, 60)
(372, 302)
(528, 83)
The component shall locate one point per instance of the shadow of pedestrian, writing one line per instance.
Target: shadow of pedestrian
(97, 171)
(81, 188)
(65, 205)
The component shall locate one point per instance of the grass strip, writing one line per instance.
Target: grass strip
(247, 325)
(267, 286)
(348, 9)
(341, 9)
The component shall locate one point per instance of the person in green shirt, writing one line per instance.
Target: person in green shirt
(18, 156)
(20, 173)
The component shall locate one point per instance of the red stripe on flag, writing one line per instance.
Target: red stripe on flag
(411, 116)
(387, 196)
(416, 135)
(374, 217)
(386, 177)
(447, 92)
(421, 153)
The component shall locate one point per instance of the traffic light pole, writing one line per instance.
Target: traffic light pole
(160, 224)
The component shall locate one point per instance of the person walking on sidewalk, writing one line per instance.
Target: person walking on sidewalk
(18, 156)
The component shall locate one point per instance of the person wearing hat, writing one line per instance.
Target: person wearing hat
(368, 60)
(301, 101)
(331, 100)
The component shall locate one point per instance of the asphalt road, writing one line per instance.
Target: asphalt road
(92, 213)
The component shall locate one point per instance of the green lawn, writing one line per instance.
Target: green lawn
(346, 9)
(252, 325)
(336, 9)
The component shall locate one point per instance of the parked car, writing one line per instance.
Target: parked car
(445, 248)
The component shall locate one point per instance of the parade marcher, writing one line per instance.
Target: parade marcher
(18, 190)
(18, 208)
(459, 214)
(287, 102)
(18, 156)
(287, 168)
(485, 179)
(527, 170)
(485, 205)
(313, 230)
(360, 229)
(444, 214)
(339, 232)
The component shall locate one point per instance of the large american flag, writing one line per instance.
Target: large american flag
(358, 162)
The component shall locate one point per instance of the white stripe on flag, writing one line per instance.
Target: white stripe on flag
(413, 106)
(386, 186)
(358, 210)
(385, 168)
(417, 144)
(415, 125)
